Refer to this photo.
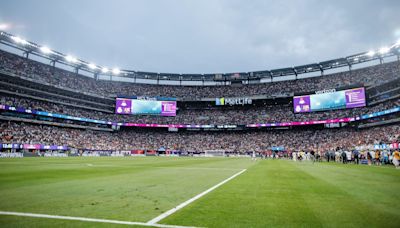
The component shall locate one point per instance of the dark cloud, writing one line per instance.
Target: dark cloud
(189, 36)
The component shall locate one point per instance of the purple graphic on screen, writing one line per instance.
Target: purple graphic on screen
(123, 106)
(302, 104)
(168, 108)
(355, 98)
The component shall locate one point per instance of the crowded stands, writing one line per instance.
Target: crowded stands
(127, 139)
(254, 114)
(45, 73)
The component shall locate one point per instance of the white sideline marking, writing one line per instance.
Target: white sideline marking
(184, 204)
(89, 219)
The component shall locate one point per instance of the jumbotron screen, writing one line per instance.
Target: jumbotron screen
(145, 107)
(351, 98)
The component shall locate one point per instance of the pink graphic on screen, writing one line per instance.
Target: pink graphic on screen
(168, 108)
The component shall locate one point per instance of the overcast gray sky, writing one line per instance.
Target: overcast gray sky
(204, 36)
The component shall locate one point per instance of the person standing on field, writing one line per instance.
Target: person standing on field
(396, 158)
(344, 157)
(377, 157)
(369, 157)
(356, 157)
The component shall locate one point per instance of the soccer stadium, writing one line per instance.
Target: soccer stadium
(314, 144)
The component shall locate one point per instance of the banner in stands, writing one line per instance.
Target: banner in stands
(351, 98)
(277, 148)
(394, 145)
(381, 146)
(145, 107)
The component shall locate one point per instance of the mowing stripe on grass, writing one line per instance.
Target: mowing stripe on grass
(89, 219)
(184, 204)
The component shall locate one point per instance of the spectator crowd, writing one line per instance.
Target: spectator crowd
(234, 115)
(237, 141)
(45, 73)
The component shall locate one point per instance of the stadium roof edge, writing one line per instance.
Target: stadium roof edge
(29, 47)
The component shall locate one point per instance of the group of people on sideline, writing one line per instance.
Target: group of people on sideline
(369, 157)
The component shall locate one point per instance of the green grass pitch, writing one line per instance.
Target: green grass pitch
(271, 193)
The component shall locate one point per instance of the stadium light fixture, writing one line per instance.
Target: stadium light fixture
(45, 50)
(71, 59)
(384, 50)
(92, 66)
(116, 71)
(18, 40)
(104, 70)
(4, 26)
(371, 53)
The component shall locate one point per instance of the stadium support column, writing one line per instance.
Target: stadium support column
(349, 64)
(96, 76)
(26, 54)
(53, 64)
(322, 70)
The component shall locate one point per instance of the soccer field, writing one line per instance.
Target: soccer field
(270, 193)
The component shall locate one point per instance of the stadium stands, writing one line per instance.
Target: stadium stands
(237, 141)
(54, 76)
(273, 113)
(32, 85)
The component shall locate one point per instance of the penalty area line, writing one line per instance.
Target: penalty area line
(89, 219)
(191, 200)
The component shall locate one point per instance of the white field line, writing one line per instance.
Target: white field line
(89, 219)
(184, 204)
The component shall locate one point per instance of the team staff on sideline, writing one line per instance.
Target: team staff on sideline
(396, 158)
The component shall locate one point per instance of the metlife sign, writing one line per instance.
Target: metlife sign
(233, 101)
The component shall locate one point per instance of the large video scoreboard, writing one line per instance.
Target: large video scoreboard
(351, 98)
(145, 107)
